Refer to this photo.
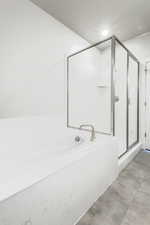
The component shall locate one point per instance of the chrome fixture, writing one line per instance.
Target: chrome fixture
(92, 130)
(77, 139)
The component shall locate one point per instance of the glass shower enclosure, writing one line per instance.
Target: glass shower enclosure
(103, 90)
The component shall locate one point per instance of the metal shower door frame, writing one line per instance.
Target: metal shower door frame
(112, 86)
(113, 40)
(129, 54)
(146, 103)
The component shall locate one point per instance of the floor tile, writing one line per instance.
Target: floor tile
(138, 170)
(109, 209)
(127, 200)
(143, 158)
(125, 193)
(86, 219)
(141, 199)
(145, 186)
(126, 185)
(139, 211)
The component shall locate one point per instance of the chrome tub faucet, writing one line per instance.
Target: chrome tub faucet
(92, 130)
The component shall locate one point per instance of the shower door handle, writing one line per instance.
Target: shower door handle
(116, 99)
(129, 101)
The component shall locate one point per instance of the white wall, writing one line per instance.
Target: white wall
(33, 53)
(140, 46)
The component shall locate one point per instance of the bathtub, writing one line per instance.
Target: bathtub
(47, 177)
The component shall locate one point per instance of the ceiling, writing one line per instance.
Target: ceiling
(123, 18)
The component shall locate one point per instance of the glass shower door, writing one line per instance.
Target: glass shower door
(132, 102)
(120, 80)
(89, 88)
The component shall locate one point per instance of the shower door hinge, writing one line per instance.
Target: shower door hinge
(145, 135)
(145, 104)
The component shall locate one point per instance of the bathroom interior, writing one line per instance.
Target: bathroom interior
(74, 112)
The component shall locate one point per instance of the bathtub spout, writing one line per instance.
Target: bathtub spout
(92, 130)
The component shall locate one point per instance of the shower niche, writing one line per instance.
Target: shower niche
(102, 90)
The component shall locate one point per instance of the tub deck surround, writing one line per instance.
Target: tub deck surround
(18, 174)
(31, 154)
(44, 172)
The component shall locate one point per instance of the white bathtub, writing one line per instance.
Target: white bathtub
(47, 178)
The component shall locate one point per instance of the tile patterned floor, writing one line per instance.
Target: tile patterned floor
(127, 200)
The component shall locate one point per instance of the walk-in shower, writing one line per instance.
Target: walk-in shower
(103, 90)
